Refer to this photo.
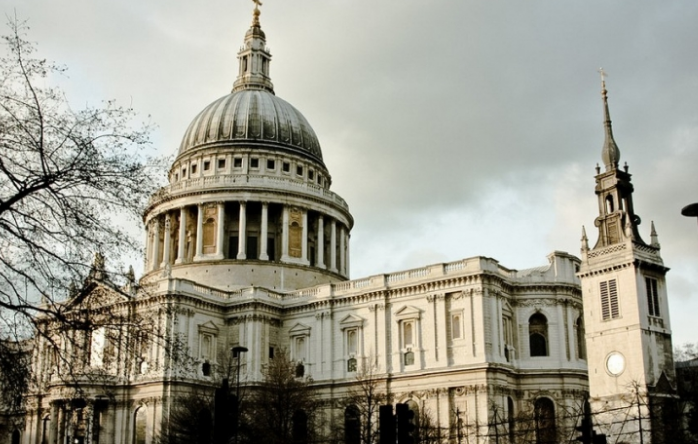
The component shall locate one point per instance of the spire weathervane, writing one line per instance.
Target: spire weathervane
(610, 153)
(255, 20)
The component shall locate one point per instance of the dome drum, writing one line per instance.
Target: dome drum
(224, 233)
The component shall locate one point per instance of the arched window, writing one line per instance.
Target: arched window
(609, 204)
(407, 334)
(414, 408)
(581, 342)
(544, 415)
(538, 335)
(140, 426)
(299, 432)
(352, 425)
(45, 424)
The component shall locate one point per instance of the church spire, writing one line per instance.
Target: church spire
(617, 221)
(610, 153)
(254, 58)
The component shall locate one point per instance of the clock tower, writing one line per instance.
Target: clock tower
(626, 312)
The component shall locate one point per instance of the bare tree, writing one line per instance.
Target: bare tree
(361, 406)
(66, 178)
(284, 409)
(190, 419)
(686, 352)
(428, 429)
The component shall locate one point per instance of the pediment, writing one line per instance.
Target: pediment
(208, 327)
(96, 295)
(408, 312)
(299, 330)
(351, 321)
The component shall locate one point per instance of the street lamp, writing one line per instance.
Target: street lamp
(236, 354)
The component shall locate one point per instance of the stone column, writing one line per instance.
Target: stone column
(347, 268)
(89, 419)
(263, 254)
(571, 333)
(148, 247)
(242, 232)
(320, 242)
(220, 225)
(342, 257)
(333, 246)
(53, 432)
(284, 235)
(156, 245)
(562, 346)
(182, 235)
(166, 244)
(199, 232)
(304, 240)
(441, 320)
(60, 435)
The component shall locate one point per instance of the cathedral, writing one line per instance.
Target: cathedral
(248, 247)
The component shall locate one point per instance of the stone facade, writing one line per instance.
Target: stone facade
(247, 246)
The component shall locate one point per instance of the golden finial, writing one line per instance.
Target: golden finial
(255, 20)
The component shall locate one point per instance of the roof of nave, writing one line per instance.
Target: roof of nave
(432, 279)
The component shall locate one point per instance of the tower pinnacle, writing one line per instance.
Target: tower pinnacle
(610, 153)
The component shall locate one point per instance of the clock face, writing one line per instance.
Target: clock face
(615, 363)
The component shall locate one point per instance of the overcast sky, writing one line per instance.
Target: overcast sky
(452, 128)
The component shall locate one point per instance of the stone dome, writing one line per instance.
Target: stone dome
(252, 118)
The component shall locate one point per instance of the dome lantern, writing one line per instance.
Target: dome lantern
(254, 58)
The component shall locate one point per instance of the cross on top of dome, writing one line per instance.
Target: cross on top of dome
(255, 20)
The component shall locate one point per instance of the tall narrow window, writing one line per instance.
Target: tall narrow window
(538, 334)
(141, 425)
(351, 342)
(407, 334)
(97, 346)
(206, 346)
(352, 425)
(610, 309)
(511, 419)
(456, 326)
(544, 415)
(581, 341)
(300, 352)
(299, 430)
(652, 296)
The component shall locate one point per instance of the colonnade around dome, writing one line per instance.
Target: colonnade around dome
(247, 231)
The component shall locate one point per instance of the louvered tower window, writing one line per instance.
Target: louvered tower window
(610, 308)
(652, 296)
